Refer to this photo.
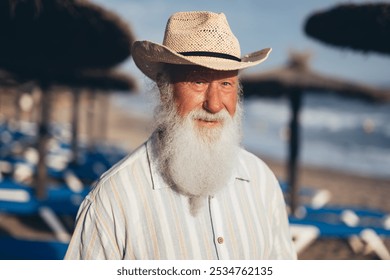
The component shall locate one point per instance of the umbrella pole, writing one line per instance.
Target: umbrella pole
(295, 103)
(43, 139)
(18, 110)
(104, 115)
(90, 120)
(75, 124)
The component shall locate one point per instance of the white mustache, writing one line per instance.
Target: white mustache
(203, 115)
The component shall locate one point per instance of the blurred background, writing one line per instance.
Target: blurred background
(276, 24)
(72, 103)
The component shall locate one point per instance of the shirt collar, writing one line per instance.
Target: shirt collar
(240, 171)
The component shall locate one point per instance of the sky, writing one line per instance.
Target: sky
(258, 24)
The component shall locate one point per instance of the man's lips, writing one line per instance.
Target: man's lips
(205, 122)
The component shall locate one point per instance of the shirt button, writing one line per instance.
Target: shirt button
(220, 240)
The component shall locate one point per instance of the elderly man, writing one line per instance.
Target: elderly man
(190, 192)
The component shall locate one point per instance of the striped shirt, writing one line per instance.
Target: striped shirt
(133, 214)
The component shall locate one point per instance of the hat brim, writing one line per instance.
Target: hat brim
(150, 57)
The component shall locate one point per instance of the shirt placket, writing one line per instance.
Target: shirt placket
(219, 234)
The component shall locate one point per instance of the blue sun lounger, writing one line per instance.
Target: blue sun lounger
(12, 248)
(359, 226)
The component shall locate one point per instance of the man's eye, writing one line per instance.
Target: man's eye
(198, 85)
(227, 84)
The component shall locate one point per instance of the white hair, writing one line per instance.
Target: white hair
(195, 161)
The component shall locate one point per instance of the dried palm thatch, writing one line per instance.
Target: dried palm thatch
(364, 27)
(100, 80)
(9, 80)
(298, 76)
(42, 39)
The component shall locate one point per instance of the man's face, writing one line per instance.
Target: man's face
(200, 118)
(201, 88)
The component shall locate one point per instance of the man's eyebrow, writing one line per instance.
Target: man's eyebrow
(199, 72)
(191, 75)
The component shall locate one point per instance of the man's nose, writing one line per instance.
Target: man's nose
(213, 102)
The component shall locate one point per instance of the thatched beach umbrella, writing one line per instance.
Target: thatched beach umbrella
(298, 76)
(44, 40)
(364, 27)
(293, 81)
(100, 80)
(8, 80)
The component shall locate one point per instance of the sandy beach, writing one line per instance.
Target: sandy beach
(129, 132)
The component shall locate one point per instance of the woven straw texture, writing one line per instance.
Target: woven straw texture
(202, 31)
(195, 38)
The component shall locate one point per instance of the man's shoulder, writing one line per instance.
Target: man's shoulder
(258, 173)
(253, 162)
(134, 157)
(112, 185)
(249, 157)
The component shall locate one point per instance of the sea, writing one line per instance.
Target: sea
(336, 133)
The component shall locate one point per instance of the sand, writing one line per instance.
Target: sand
(129, 132)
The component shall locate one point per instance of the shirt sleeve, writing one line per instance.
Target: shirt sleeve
(92, 237)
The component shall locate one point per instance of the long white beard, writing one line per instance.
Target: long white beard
(197, 161)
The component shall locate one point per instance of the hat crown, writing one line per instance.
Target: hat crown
(200, 32)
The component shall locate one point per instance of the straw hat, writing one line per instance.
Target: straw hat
(195, 38)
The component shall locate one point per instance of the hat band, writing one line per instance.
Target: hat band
(212, 54)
